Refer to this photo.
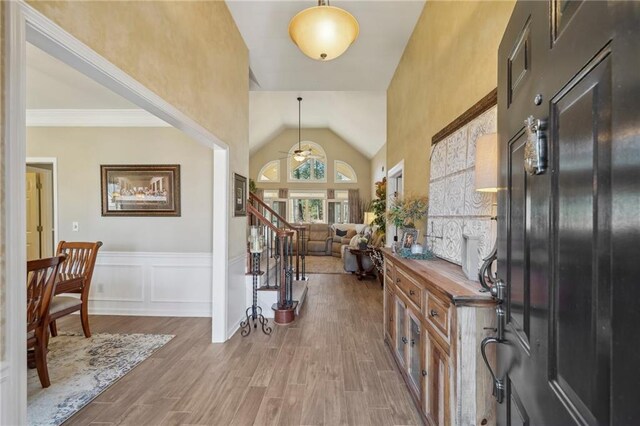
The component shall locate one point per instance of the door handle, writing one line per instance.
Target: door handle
(498, 384)
(499, 290)
(535, 149)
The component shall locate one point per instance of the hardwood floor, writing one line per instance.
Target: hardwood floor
(329, 367)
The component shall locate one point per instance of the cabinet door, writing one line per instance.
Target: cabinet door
(389, 319)
(436, 401)
(415, 352)
(401, 329)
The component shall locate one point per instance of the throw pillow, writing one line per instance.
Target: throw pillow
(341, 232)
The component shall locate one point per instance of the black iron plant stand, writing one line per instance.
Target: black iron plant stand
(254, 312)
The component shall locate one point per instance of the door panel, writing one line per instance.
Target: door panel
(33, 215)
(567, 244)
(437, 397)
(581, 285)
(562, 234)
(518, 306)
(401, 329)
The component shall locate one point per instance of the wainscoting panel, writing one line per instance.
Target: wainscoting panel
(153, 284)
(237, 293)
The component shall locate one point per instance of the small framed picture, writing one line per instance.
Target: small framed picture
(140, 190)
(239, 195)
(409, 237)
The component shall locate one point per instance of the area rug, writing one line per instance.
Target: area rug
(80, 369)
(324, 265)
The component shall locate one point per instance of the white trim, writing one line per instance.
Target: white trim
(13, 390)
(393, 172)
(54, 164)
(93, 118)
(220, 246)
(23, 23)
(335, 172)
(396, 170)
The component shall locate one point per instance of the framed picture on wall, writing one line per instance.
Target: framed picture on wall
(409, 237)
(140, 190)
(239, 195)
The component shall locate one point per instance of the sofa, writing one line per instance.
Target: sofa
(318, 239)
(349, 230)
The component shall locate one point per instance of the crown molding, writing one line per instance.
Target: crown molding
(92, 118)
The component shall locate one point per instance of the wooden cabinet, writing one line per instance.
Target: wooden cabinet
(436, 402)
(435, 320)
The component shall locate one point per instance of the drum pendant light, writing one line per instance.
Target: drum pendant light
(323, 32)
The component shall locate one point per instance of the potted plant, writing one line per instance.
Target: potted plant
(379, 206)
(404, 213)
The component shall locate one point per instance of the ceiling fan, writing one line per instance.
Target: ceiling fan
(300, 154)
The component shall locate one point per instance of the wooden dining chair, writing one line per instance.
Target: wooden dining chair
(74, 277)
(41, 279)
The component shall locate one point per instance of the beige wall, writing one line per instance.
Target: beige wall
(449, 64)
(81, 151)
(190, 53)
(335, 148)
(378, 168)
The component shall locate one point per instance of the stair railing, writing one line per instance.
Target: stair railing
(280, 222)
(280, 240)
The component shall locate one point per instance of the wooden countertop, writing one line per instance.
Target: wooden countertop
(443, 277)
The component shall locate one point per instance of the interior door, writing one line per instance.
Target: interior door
(33, 217)
(567, 237)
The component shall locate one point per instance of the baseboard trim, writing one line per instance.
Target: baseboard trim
(150, 313)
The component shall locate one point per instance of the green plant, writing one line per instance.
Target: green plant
(252, 186)
(379, 205)
(403, 213)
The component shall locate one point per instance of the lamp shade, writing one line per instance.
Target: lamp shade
(487, 163)
(369, 217)
(323, 32)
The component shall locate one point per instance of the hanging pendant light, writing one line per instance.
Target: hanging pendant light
(323, 32)
(299, 154)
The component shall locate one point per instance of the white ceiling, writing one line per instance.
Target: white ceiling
(357, 117)
(369, 64)
(347, 94)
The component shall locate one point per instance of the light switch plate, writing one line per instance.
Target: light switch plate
(74, 226)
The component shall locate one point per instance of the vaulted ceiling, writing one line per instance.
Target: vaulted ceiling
(354, 116)
(347, 94)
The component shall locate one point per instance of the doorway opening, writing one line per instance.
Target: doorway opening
(24, 24)
(41, 207)
(395, 189)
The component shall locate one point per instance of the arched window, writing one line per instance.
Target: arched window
(344, 173)
(311, 167)
(270, 172)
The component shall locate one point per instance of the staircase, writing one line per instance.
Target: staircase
(281, 278)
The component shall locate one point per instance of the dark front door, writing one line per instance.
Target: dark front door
(569, 226)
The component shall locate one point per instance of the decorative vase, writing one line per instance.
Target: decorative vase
(362, 246)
